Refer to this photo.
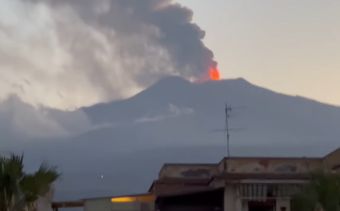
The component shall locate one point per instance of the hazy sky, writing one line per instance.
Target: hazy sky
(286, 45)
(68, 54)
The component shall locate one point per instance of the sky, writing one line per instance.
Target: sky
(285, 45)
(69, 54)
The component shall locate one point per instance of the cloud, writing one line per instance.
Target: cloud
(172, 111)
(67, 54)
(19, 120)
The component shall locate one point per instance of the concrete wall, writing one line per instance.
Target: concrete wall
(107, 205)
(231, 201)
(98, 205)
(279, 166)
(280, 203)
(126, 207)
(188, 171)
(332, 161)
(250, 165)
(45, 203)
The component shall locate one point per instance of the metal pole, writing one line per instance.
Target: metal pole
(227, 110)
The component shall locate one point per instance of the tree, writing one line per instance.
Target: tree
(19, 190)
(321, 194)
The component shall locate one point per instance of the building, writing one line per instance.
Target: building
(140, 202)
(233, 184)
(237, 183)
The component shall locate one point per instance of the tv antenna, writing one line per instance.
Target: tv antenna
(227, 129)
(227, 110)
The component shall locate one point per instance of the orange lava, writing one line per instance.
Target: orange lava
(214, 74)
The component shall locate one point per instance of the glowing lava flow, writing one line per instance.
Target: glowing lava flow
(214, 74)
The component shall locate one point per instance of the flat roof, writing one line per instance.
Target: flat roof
(243, 158)
(190, 164)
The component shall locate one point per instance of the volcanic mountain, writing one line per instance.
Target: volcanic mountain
(178, 121)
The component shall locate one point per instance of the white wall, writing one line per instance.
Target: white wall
(107, 205)
(283, 203)
(45, 203)
(98, 205)
(231, 201)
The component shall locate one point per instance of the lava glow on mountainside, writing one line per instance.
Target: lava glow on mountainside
(214, 74)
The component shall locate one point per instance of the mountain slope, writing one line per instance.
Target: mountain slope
(178, 121)
(175, 106)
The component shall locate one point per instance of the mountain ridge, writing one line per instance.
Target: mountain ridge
(179, 121)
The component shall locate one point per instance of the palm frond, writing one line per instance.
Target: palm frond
(19, 190)
(38, 184)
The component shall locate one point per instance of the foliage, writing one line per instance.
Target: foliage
(19, 190)
(322, 193)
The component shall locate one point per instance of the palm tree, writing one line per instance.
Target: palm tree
(18, 190)
(321, 194)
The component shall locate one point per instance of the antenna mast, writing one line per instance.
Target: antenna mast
(227, 131)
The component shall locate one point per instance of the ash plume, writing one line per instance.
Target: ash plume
(100, 50)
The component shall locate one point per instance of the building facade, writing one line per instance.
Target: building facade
(138, 202)
(237, 183)
(141, 202)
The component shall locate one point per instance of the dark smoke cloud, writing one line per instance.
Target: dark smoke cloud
(112, 47)
(179, 37)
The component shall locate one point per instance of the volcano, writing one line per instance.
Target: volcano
(175, 120)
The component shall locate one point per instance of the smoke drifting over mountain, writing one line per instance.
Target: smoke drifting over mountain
(70, 53)
(21, 121)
